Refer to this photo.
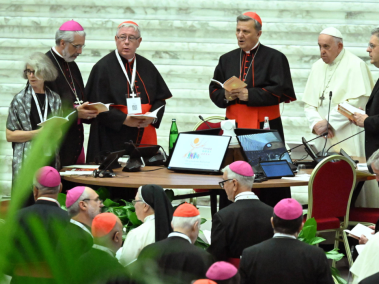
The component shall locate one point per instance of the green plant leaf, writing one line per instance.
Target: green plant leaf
(336, 275)
(334, 255)
(203, 220)
(316, 241)
(103, 193)
(110, 203)
(62, 200)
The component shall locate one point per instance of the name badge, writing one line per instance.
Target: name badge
(134, 105)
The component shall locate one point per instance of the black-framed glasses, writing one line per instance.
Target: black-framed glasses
(29, 72)
(130, 38)
(77, 46)
(221, 183)
(135, 201)
(96, 199)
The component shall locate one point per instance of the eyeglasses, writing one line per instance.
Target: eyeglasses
(221, 183)
(29, 72)
(371, 46)
(77, 46)
(96, 199)
(135, 201)
(130, 38)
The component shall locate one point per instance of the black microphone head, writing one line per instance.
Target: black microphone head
(324, 134)
(201, 117)
(330, 94)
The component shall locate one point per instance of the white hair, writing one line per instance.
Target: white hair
(42, 65)
(375, 32)
(67, 36)
(337, 40)
(46, 190)
(244, 18)
(74, 209)
(126, 25)
(374, 159)
(185, 222)
(243, 180)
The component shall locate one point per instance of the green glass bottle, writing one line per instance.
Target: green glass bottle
(173, 135)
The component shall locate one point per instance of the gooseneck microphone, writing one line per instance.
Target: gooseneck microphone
(290, 150)
(327, 124)
(343, 140)
(203, 120)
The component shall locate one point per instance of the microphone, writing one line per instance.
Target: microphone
(327, 124)
(343, 140)
(289, 150)
(203, 120)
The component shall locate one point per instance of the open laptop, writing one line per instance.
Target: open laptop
(266, 146)
(199, 153)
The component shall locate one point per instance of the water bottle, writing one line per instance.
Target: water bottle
(266, 124)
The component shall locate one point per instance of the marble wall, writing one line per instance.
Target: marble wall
(184, 39)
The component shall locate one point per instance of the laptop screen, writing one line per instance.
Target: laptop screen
(263, 147)
(199, 152)
(274, 169)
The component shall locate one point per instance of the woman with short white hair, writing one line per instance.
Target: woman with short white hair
(33, 105)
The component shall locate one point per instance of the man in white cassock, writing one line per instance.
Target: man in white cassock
(349, 79)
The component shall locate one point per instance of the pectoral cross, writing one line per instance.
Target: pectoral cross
(78, 102)
(322, 98)
(133, 95)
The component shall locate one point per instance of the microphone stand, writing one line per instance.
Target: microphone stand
(344, 140)
(290, 150)
(203, 120)
(327, 124)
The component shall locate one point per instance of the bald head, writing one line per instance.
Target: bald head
(330, 47)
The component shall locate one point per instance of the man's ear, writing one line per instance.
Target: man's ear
(62, 43)
(116, 237)
(60, 188)
(35, 193)
(195, 226)
(82, 205)
(272, 222)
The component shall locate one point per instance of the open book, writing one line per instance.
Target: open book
(57, 120)
(360, 230)
(100, 107)
(348, 110)
(144, 115)
(231, 84)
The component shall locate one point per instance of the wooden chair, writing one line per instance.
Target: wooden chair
(329, 191)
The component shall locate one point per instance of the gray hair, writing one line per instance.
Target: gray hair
(243, 180)
(126, 25)
(42, 65)
(46, 190)
(185, 222)
(67, 36)
(375, 32)
(74, 209)
(244, 18)
(374, 159)
(337, 40)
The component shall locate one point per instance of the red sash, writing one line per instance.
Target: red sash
(235, 262)
(250, 117)
(149, 134)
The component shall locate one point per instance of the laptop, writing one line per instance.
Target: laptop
(199, 153)
(266, 146)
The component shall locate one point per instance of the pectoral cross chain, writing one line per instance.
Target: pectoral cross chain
(322, 98)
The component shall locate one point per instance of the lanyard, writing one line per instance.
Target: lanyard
(126, 73)
(81, 226)
(42, 119)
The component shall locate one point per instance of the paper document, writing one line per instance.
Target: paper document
(100, 107)
(93, 167)
(348, 110)
(144, 115)
(231, 84)
(70, 173)
(58, 120)
(362, 167)
(360, 248)
(299, 178)
(360, 230)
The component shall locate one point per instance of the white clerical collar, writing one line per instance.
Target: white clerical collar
(338, 58)
(130, 60)
(255, 46)
(181, 235)
(280, 235)
(81, 226)
(148, 218)
(49, 199)
(56, 52)
(107, 250)
(245, 195)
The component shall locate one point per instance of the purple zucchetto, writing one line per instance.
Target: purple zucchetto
(221, 270)
(242, 168)
(71, 26)
(288, 209)
(73, 195)
(48, 176)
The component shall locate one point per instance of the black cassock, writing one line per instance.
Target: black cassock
(284, 261)
(268, 82)
(175, 260)
(238, 226)
(373, 279)
(371, 123)
(72, 144)
(30, 249)
(107, 83)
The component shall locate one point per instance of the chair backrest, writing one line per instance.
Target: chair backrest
(202, 125)
(330, 188)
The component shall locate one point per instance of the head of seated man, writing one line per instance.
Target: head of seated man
(238, 177)
(373, 163)
(107, 231)
(186, 220)
(83, 204)
(47, 183)
(288, 217)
